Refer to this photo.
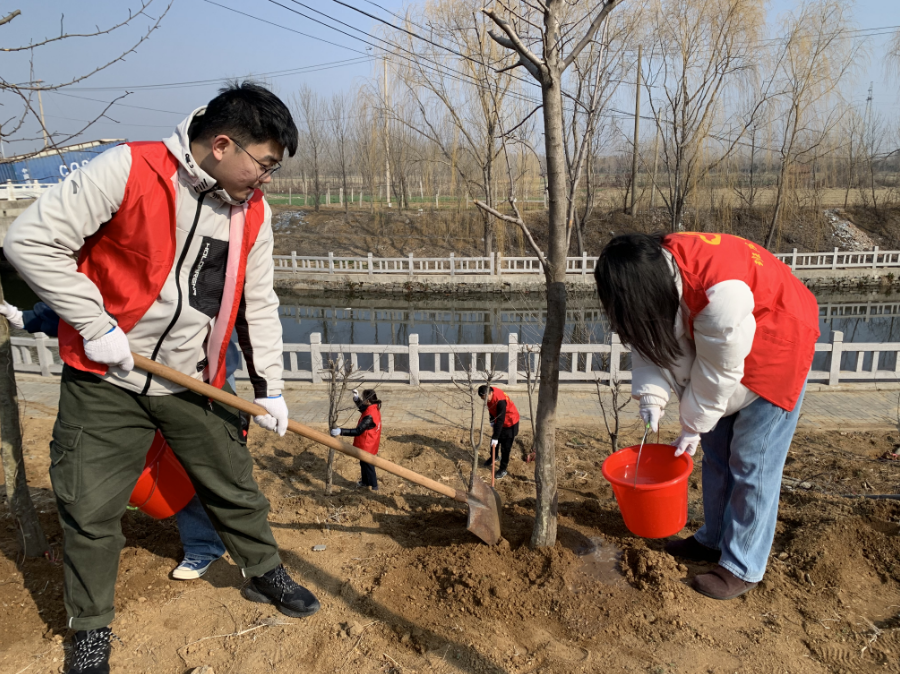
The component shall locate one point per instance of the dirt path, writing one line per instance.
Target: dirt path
(406, 589)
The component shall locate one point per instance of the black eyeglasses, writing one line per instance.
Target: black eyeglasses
(267, 170)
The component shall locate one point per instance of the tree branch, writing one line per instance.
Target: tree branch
(143, 10)
(520, 224)
(9, 17)
(608, 6)
(532, 63)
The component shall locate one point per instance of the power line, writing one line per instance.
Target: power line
(251, 16)
(440, 69)
(121, 105)
(172, 112)
(273, 74)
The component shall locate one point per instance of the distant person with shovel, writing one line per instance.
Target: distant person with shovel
(727, 326)
(504, 424)
(162, 248)
(367, 434)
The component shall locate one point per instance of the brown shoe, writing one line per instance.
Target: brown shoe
(720, 583)
(690, 548)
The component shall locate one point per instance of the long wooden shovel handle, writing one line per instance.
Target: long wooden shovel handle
(221, 396)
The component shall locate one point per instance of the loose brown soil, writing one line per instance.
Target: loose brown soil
(405, 588)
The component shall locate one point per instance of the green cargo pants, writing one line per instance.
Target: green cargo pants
(100, 442)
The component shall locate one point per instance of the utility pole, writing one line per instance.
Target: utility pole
(41, 108)
(387, 148)
(637, 123)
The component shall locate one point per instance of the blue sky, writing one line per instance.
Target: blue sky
(200, 40)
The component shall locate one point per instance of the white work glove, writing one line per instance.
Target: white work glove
(494, 443)
(686, 442)
(13, 315)
(277, 417)
(335, 432)
(651, 414)
(111, 349)
(356, 395)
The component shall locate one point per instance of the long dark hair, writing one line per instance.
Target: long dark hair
(638, 293)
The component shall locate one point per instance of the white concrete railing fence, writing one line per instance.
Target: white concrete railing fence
(427, 363)
(499, 265)
(492, 265)
(27, 190)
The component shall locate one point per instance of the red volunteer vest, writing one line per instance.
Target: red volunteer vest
(130, 257)
(786, 312)
(368, 441)
(512, 414)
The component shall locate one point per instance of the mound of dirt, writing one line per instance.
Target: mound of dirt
(405, 588)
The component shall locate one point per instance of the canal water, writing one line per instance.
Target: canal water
(447, 319)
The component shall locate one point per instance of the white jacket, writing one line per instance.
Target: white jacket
(707, 376)
(43, 245)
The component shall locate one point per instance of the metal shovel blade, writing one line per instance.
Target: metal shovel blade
(484, 512)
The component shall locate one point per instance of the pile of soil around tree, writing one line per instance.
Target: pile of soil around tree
(405, 588)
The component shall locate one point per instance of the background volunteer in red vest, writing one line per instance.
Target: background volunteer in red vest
(162, 248)
(726, 325)
(505, 424)
(367, 434)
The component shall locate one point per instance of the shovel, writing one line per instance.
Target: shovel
(483, 501)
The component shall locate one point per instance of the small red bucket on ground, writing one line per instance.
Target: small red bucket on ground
(657, 507)
(164, 487)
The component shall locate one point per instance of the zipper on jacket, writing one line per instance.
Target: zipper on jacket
(178, 305)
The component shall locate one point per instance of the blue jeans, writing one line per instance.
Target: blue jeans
(198, 536)
(743, 458)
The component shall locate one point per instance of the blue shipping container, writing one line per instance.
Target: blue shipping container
(51, 166)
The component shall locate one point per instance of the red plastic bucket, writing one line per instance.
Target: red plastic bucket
(657, 507)
(164, 487)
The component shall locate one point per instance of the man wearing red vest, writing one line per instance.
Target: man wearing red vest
(726, 325)
(162, 248)
(505, 425)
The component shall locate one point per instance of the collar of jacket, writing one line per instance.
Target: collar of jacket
(189, 172)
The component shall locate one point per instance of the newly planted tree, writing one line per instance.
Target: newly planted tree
(556, 24)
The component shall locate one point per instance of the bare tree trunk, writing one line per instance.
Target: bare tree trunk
(548, 70)
(33, 541)
(779, 201)
(544, 533)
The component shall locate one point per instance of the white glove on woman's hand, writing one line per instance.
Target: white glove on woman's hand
(686, 442)
(277, 417)
(335, 432)
(494, 443)
(111, 349)
(651, 414)
(13, 315)
(356, 395)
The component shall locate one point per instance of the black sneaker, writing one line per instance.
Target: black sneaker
(488, 463)
(500, 475)
(278, 588)
(90, 652)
